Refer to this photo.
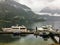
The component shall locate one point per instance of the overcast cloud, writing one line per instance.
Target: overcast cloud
(55, 4)
(37, 5)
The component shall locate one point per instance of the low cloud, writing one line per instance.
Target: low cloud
(36, 5)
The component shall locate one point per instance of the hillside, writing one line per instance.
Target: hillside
(12, 13)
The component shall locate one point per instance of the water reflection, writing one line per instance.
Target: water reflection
(7, 38)
(30, 40)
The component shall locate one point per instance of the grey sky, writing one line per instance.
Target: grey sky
(37, 5)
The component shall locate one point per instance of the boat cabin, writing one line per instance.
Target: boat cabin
(15, 29)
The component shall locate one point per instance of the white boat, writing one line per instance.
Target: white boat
(16, 28)
(47, 28)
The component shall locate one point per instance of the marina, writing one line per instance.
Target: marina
(45, 32)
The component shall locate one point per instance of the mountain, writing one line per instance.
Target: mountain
(12, 12)
(54, 12)
(49, 10)
(12, 8)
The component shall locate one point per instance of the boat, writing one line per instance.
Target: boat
(46, 28)
(16, 28)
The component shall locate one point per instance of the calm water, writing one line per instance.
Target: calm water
(31, 39)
